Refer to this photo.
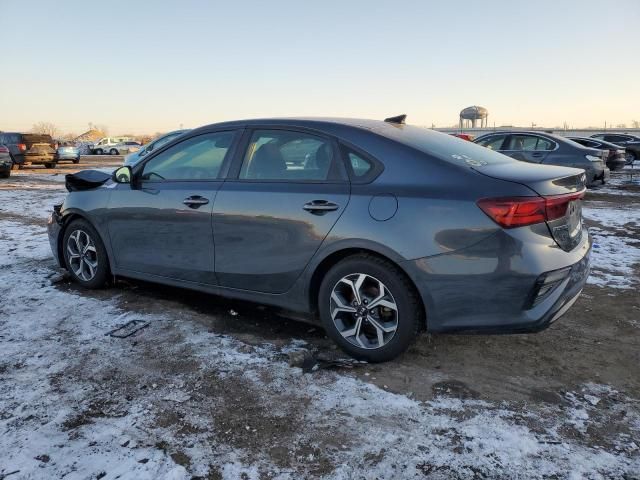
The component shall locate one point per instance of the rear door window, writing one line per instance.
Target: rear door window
(283, 155)
(528, 143)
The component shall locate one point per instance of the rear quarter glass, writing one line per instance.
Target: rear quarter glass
(444, 147)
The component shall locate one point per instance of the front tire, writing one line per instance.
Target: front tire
(370, 308)
(85, 255)
(113, 151)
(630, 157)
(76, 160)
(50, 165)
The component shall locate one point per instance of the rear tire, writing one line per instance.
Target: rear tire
(50, 165)
(380, 321)
(631, 157)
(76, 160)
(6, 174)
(85, 255)
(97, 151)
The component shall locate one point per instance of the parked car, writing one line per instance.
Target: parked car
(464, 136)
(67, 152)
(5, 162)
(125, 148)
(547, 149)
(616, 157)
(31, 148)
(389, 230)
(631, 143)
(107, 145)
(134, 157)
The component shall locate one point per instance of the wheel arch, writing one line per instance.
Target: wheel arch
(332, 258)
(66, 221)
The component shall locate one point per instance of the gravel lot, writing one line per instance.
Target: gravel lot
(206, 391)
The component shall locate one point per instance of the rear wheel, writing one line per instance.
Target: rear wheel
(5, 174)
(113, 151)
(50, 165)
(631, 157)
(76, 160)
(369, 308)
(98, 151)
(85, 255)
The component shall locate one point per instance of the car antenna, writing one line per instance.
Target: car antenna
(400, 119)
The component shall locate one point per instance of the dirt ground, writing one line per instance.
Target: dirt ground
(575, 385)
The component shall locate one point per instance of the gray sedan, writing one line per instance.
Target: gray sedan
(383, 230)
(548, 149)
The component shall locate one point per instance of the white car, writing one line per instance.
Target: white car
(125, 148)
(108, 145)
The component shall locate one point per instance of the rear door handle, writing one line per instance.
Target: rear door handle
(320, 207)
(195, 201)
(537, 154)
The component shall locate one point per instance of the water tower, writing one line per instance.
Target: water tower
(470, 116)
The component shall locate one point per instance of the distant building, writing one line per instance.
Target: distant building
(92, 135)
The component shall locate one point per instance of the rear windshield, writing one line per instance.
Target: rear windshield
(443, 146)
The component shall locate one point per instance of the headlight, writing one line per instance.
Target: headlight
(593, 158)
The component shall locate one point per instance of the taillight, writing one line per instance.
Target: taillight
(512, 212)
(3, 149)
(22, 147)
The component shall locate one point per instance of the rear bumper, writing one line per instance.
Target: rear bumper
(38, 159)
(487, 288)
(67, 156)
(5, 164)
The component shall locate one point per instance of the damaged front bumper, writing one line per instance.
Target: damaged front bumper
(54, 228)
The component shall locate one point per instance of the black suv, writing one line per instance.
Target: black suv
(631, 143)
(30, 148)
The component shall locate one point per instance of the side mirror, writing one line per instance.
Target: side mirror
(123, 175)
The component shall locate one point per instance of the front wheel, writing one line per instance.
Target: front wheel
(76, 160)
(631, 157)
(370, 308)
(50, 165)
(113, 151)
(85, 255)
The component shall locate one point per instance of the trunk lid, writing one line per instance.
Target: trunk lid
(542, 179)
(561, 187)
(40, 149)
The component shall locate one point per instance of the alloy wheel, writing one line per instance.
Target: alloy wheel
(364, 311)
(82, 255)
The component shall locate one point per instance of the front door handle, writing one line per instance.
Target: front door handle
(320, 207)
(195, 201)
(537, 154)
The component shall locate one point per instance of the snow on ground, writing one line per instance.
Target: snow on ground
(30, 205)
(616, 253)
(77, 404)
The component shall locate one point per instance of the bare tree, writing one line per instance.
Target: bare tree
(45, 128)
(635, 123)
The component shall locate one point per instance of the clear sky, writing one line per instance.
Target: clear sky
(146, 66)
